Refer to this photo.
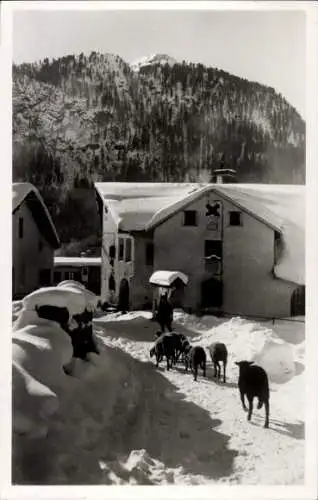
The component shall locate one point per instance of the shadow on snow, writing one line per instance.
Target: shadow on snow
(138, 329)
(107, 423)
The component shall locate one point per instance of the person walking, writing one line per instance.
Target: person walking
(165, 313)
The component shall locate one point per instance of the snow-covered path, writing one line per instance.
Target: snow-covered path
(231, 450)
(127, 422)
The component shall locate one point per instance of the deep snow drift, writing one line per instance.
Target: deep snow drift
(122, 421)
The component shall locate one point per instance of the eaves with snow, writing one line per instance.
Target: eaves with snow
(142, 206)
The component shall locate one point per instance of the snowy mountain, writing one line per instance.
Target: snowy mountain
(160, 59)
(80, 119)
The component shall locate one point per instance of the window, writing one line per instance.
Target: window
(20, 227)
(121, 249)
(278, 246)
(149, 254)
(111, 283)
(112, 252)
(213, 256)
(128, 250)
(69, 275)
(190, 218)
(84, 273)
(298, 302)
(235, 218)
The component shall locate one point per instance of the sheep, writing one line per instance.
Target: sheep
(85, 318)
(184, 345)
(54, 313)
(195, 356)
(218, 353)
(178, 338)
(164, 346)
(253, 382)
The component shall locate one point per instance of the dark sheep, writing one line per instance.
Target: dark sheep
(81, 337)
(184, 345)
(54, 313)
(218, 353)
(85, 318)
(164, 314)
(253, 382)
(164, 346)
(195, 356)
(83, 342)
(178, 338)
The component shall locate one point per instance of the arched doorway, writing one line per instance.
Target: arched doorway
(211, 293)
(123, 296)
(177, 293)
(298, 302)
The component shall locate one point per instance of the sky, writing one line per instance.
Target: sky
(264, 46)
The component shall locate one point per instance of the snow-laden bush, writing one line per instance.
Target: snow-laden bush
(72, 298)
(41, 349)
(277, 358)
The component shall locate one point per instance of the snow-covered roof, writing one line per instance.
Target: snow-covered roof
(166, 278)
(25, 191)
(283, 207)
(142, 206)
(77, 261)
(138, 206)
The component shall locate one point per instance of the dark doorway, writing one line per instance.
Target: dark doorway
(298, 302)
(57, 277)
(177, 293)
(211, 293)
(93, 282)
(45, 277)
(123, 296)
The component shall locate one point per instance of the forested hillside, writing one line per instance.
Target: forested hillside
(79, 119)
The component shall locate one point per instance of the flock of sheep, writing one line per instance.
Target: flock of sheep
(253, 379)
(77, 322)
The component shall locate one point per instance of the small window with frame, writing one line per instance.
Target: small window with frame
(121, 249)
(128, 255)
(20, 228)
(149, 254)
(235, 218)
(190, 218)
(112, 252)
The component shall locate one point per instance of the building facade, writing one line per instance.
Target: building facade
(228, 252)
(86, 270)
(34, 240)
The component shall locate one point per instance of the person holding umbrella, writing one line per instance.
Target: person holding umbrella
(165, 313)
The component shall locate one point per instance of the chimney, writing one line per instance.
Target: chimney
(223, 176)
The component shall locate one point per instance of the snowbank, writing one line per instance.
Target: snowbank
(72, 298)
(122, 421)
(248, 340)
(41, 348)
(90, 297)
